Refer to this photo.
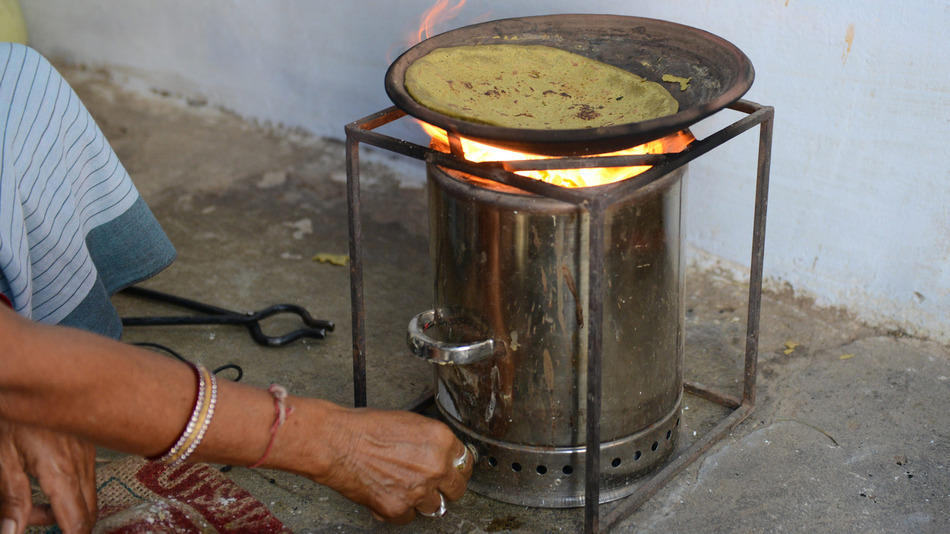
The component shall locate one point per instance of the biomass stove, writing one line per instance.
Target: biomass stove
(557, 331)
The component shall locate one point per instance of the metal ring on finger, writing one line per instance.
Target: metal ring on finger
(459, 463)
(438, 513)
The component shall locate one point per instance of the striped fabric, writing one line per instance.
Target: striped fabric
(68, 209)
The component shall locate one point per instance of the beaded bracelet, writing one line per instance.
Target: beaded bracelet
(200, 419)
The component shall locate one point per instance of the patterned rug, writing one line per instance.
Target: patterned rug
(137, 496)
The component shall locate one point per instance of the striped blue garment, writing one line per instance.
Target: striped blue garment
(73, 228)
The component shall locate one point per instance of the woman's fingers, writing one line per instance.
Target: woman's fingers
(434, 505)
(64, 467)
(15, 500)
(63, 487)
(396, 511)
(15, 496)
(456, 479)
(85, 453)
(41, 515)
(398, 464)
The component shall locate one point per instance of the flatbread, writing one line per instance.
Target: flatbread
(533, 86)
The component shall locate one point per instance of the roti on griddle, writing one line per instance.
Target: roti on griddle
(533, 86)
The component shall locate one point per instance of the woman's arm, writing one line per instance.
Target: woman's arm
(132, 400)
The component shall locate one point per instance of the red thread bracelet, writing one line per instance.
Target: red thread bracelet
(282, 412)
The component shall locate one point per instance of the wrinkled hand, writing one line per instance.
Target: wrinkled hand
(63, 465)
(397, 463)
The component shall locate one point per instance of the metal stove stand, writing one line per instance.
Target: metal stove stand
(595, 201)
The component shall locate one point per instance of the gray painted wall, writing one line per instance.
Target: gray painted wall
(858, 216)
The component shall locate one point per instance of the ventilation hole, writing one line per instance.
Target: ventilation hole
(668, 434)
(615, 462)
(492, 461)
(567, 470)
(654, 446)
(637, 455)
(516, 467)
(542, 469)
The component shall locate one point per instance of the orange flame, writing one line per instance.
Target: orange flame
(478, 152)
(474, 151)
(438, 13)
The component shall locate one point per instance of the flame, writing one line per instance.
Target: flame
(474, 151)
(478, 152)
(438, 13)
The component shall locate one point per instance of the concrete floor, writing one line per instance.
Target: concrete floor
(850, 434)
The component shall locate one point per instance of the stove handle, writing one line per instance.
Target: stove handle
(444, 352)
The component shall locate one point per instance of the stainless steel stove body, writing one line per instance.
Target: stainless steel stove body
(511, 271)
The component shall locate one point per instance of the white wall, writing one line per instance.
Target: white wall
(858, 215)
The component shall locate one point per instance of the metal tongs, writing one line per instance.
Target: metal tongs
(315, 328)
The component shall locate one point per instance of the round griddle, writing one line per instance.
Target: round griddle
(720, 74)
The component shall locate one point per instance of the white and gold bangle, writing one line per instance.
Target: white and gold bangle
(200, 419)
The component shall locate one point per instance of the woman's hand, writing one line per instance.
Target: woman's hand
(128, 399)
(63, 465)
(395, 463)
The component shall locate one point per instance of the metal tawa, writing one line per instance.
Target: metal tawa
(718, 72)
